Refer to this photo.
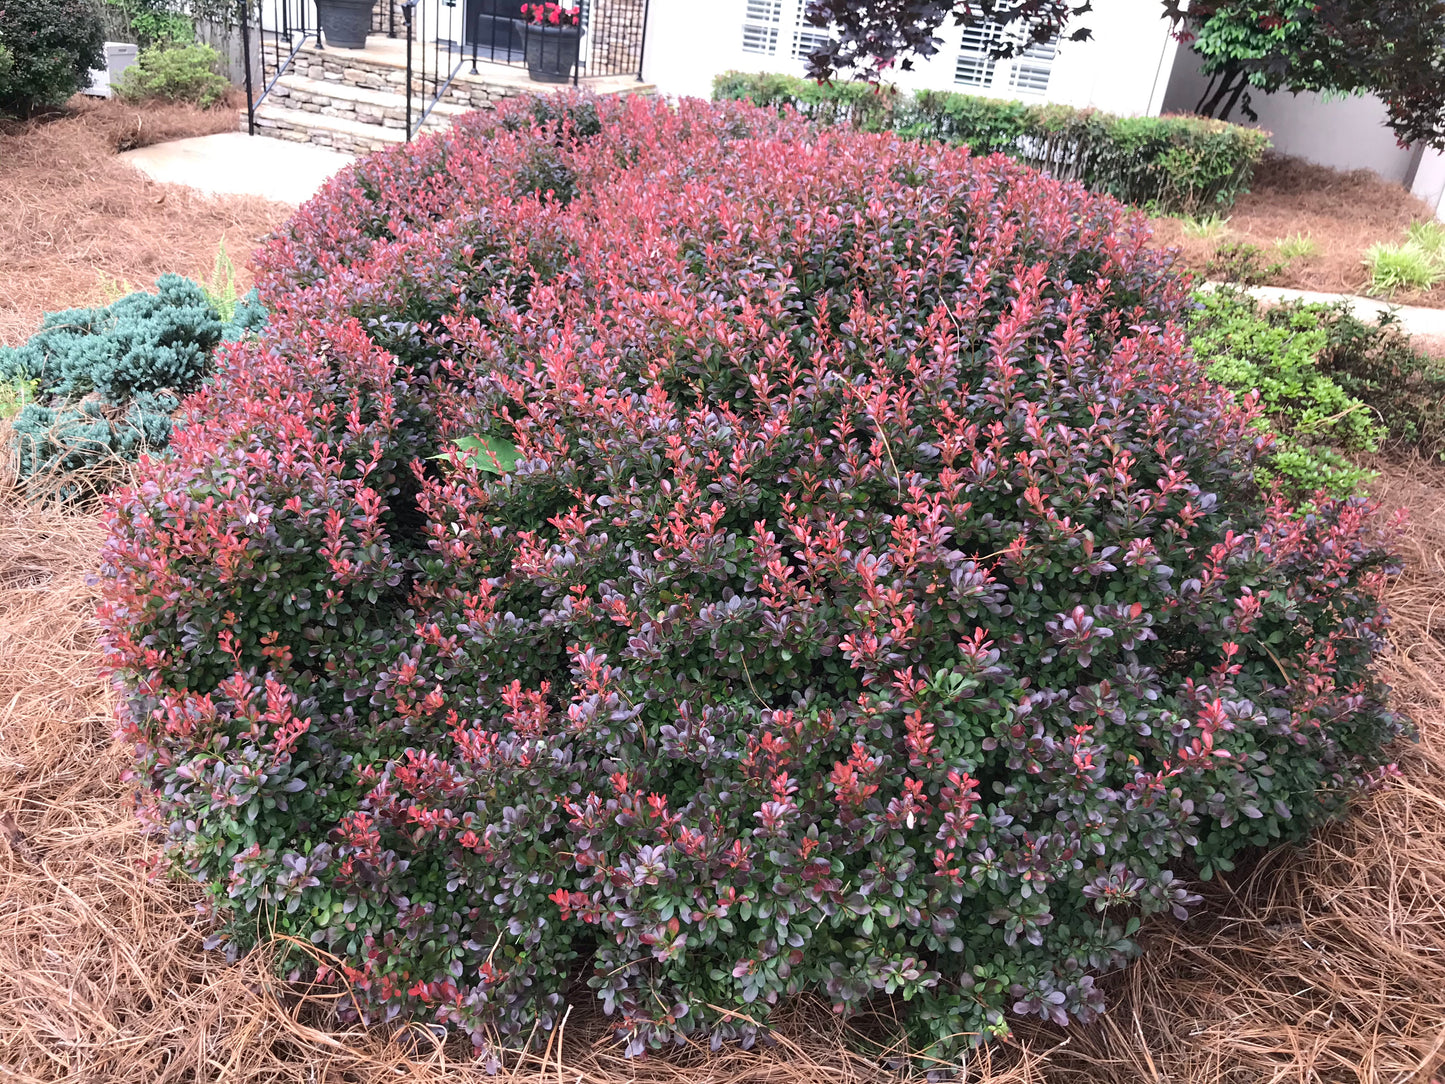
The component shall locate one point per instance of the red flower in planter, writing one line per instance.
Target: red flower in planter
(551, 14)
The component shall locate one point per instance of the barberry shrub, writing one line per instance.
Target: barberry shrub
(680, 553)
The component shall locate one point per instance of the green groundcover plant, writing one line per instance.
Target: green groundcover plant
(679, 557)
(1276, 353)
(101, 384)
(1330, 384)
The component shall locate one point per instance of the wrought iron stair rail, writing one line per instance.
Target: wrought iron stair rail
(436, 62)
(270, 41)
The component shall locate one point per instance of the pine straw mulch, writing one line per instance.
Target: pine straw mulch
(1320, 966)
(76, 222)
(1344, 212)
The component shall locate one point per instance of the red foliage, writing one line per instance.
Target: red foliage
(880, 603)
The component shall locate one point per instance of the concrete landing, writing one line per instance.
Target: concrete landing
(235, 164)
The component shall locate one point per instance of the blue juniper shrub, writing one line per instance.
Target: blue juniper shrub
(104, 382)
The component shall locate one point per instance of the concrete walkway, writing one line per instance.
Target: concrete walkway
(235, 164)
(1414, 319)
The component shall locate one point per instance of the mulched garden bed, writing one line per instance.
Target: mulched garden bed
(1344, 213)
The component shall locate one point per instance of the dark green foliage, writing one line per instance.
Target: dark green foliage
(151, 22)
(47, 49)
(174, 73)
(104, 382)
(1276, 353)
(1377, 364)
(1242, 263)
(1173, 164)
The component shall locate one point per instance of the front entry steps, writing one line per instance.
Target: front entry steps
(353, 99)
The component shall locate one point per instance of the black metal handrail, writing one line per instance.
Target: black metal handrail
(441, 36)
(277, 45)
(441, 57)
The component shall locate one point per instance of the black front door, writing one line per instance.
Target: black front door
(490, 23)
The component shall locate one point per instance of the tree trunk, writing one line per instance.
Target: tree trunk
(1223, 92)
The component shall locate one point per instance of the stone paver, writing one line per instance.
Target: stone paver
(235, 164)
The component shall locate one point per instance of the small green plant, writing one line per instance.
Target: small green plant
(1428, 237)
(1275, 352)
(174, 73)
(112, 289)
(1243, 264)
(1398, 267)
(1205, 226)
(1297, 246)
(15, 393)
(221, 290)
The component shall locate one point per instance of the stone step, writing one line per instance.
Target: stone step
(380, 107)
(340, 132)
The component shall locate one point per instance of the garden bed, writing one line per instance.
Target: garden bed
(1322, 962)
(1318, 962)
(78, 226)
(1343, 213)
(1326, 963)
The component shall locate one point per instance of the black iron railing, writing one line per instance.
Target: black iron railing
(443, 37)
(435, 52)
(272, 33)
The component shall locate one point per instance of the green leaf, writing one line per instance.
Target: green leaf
(487, 453)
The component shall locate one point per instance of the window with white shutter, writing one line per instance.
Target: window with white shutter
(1032, 68)
(806, 39)
(979, 68)
(761, 24)
(976, 63)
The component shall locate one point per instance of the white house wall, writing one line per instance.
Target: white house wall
(1124, 69)
(1343, 133)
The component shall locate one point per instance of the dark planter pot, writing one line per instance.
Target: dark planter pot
(345, 23)
(551, 51)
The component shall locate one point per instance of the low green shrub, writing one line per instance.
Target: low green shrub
(1242, 264)
(1175, 164)
(97, 384)
(1275, 352)
(14, 394)
(174, 73)
(47, 50)
(1377, 364)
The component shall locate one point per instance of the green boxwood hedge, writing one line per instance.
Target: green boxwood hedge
(1174, 164)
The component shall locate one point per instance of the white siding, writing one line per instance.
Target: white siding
(1123, 70)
